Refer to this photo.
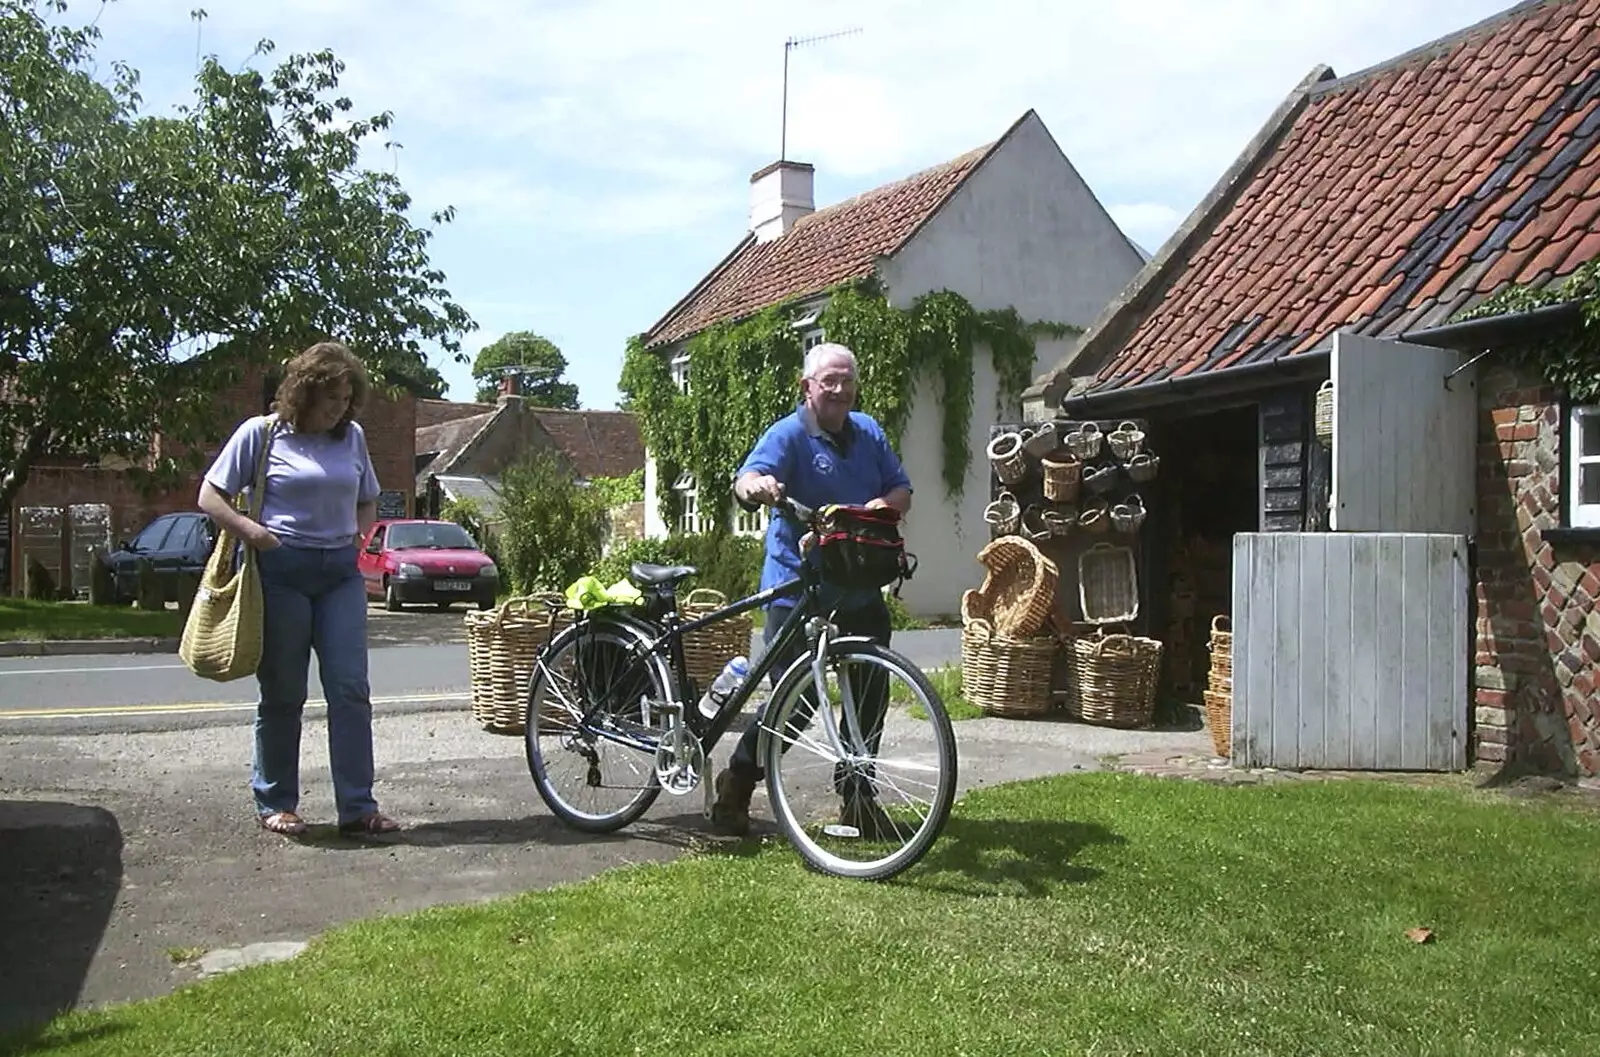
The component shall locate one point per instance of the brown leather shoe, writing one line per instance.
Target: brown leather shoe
(730, 812)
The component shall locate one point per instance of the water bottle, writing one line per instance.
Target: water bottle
(723, 686)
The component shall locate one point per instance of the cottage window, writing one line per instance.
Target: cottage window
(680, 371)
(750, 523)
(690, 520)
(811, 337)
(1583, 466)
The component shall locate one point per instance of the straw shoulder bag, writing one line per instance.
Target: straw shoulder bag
(222, 635)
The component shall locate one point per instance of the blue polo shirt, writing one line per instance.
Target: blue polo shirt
(815, 468)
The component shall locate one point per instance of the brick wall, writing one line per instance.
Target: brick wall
(1537, 670)
(391, 438)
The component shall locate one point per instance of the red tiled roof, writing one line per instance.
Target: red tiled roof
(597, 443)
(822, 249)
(436, 412)
(1397, 197)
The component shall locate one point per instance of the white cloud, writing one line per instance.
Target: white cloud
(574, 124)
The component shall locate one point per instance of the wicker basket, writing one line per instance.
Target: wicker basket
(1323, 418)
(1060, 521)
(1084, 442)
(1095, 517)
(974, 607)
(1143, 467)
(1063, 471)
(1034, 524)
(1006, 456)
(1019, 587)
(1003, 515)
(1126, 441)
(1219, 717)
(1128, 515)
(1005, 676)
(708, 650)
(1112, 679)
(1101, 479)
(501, 646)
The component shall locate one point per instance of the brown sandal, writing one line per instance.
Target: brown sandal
(370, 825)
(285, 823)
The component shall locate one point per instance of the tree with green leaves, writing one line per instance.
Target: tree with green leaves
(542, 385)
(146, 261)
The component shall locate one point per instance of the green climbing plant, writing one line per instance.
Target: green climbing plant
(1569, 360)
(744, 375)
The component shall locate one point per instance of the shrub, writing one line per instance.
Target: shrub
(553, 528)
(726, 563)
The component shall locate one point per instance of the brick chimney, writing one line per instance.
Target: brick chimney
(509, 390)
(780, 194)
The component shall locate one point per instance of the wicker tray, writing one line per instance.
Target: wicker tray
(1108, 584)
(1005, 676)
(501, 646)
(707, 650)
(1020, 586)
(1112, 679)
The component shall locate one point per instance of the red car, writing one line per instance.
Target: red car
(415, 560)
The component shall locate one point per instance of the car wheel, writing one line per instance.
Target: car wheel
(443, 607)
(391, 597)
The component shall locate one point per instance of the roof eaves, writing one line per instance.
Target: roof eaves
(474, 440)
(1127, 310)
(743, 244)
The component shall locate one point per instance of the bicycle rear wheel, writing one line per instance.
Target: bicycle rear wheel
(863, 786)
(586, 772)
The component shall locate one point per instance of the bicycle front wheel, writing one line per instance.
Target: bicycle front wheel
(861, 786)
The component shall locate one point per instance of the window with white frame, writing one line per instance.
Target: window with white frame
(1583, 466)
(814, 336)
(680, 371)
(690, 519)
(749, 522)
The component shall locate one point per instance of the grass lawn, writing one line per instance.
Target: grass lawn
(1102, 913)
(22, 618)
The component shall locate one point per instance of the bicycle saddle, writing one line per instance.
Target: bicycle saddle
(647, 575)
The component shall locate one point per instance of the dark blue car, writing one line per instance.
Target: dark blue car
(174, 543)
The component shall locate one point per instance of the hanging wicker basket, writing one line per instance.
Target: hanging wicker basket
(1060, 521)
(1126, 441)
(1019, 587)
(1128, 515)
(1112, 679)
(708, 649)
(1042, 440)
(1101, 479)
(1095, 517)
(1003, 515)
(1006, 456)
(1062, 473)
(1323, 418)
(501, 646)
(1143, 466)
(1108, 584)
(1005, 676)
(1034, 525)
(1084, 442)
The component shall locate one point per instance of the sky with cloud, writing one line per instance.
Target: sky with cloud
(599, 151)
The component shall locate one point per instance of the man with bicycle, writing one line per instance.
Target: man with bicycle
(825, 452)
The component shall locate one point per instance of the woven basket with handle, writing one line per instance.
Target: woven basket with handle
(707, 650)
(1004, 676)
(1019, 587)
(1112, 679)
(501, 646)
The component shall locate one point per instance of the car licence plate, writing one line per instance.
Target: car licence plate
(453, 585)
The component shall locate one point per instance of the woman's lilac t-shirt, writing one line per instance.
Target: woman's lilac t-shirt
(314, 480)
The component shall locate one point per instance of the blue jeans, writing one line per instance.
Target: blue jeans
(313, 599)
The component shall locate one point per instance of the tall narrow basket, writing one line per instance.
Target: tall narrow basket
(1112, 679)
(1219, 685)
(1005, 676)
(501, 646)
(708, 649)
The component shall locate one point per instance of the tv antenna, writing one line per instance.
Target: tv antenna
(788, 46)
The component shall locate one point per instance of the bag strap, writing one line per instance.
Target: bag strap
(259, 487)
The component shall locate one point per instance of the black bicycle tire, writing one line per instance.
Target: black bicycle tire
(943, 804)
(636, 808)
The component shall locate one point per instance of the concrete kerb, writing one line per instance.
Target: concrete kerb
(67, 647)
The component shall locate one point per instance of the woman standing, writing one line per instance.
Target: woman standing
(320, 499)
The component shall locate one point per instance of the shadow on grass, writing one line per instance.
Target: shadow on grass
(60, 874)
(1031, 857)
(21, 1046)
(537, 830)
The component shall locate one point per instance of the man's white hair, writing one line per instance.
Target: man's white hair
(828, 349)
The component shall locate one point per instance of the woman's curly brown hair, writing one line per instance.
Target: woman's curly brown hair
(315, 371)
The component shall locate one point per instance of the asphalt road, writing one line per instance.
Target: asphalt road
(155, 691)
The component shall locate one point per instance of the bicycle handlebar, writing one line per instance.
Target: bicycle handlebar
(795, 509)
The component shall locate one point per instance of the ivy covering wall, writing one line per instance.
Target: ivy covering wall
(1571, 360)
(744, 376)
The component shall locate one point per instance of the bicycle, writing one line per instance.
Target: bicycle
(608, 693)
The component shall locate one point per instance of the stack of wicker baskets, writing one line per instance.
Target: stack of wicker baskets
(706, 650)
(1219, 685)
(501, 646)
(1008, 649)
(1112, 679)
